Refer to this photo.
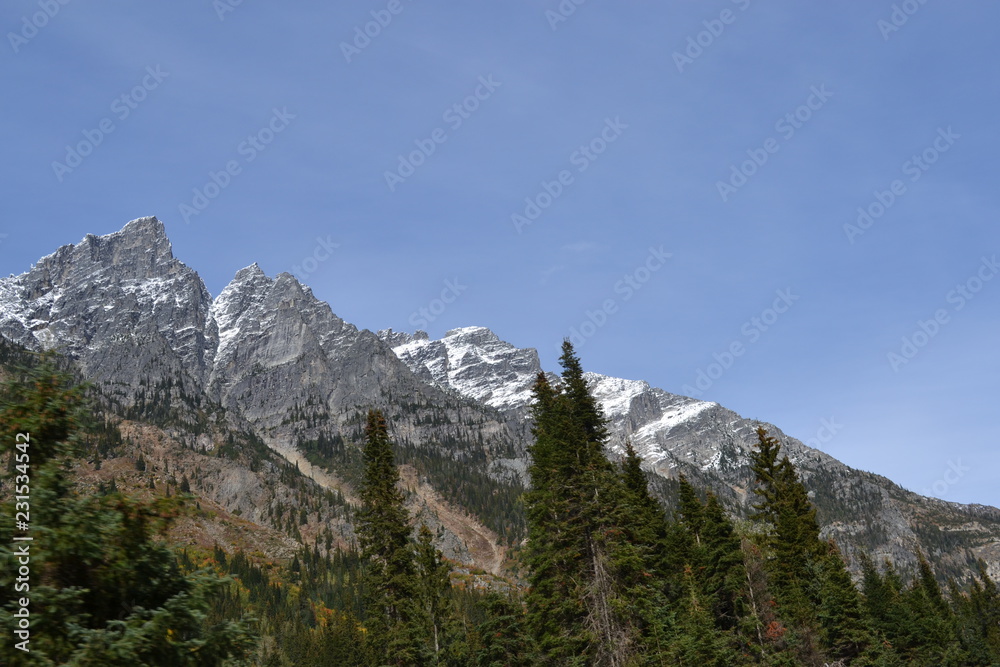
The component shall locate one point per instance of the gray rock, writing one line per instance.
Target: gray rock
(281, 363)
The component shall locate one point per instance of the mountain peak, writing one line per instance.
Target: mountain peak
(397, 338)
(472, 361)
(252, 273)
(148, 225)
(142, 243)
(145, 292)
(475, 333)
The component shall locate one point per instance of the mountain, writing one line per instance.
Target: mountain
(268, 361)
(711, 444)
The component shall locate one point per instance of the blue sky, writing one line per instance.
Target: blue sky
(737, 137)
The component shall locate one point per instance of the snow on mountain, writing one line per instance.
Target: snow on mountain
(123, 287)
(279, 359)
(472, 361)
(642, 414)
(246, 291)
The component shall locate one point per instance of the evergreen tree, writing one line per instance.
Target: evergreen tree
(46, 402)
(794, 531)
(977, 614)
(931, 635)
(590, 593)
(620, 593)
(843, 631)
(650, 520)
(697, 640)
(763, 633)
(709, 553)
(433, 587)
(555, 611)
(504, 640)
(383, 535)
(103, 590)
(690, 510)
(883, 601)
(724, 575)
(984, 605)
(811, 584)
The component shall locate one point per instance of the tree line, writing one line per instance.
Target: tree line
(609, 576)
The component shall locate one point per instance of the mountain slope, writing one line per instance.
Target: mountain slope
(710, 444)
(267, 357)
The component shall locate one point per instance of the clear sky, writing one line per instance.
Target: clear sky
(668, 183)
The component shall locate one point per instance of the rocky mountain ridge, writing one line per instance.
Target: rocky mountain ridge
(267, 356)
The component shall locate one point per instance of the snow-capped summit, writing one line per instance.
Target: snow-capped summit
(125, 287)
(474, 362)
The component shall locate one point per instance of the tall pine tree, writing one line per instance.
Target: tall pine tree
(383, 535)
(591, 601)
(809, 578)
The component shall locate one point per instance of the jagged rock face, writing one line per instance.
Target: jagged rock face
(710, 444)
(120, 304)
(472, 361)
(132, 315)
(278, 347)
(394, 338)
(283, 363)
(282, 350)
(666, 429)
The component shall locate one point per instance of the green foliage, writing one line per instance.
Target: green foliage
(793, 535)
(613, 579)
(444, 640)
(383, 535)
(571, 612)
(844, 635)
(102, 589)
(43, 400)
(595, 594)
(504, 638)
(978, 618)
(697, 640)
(306, 618)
